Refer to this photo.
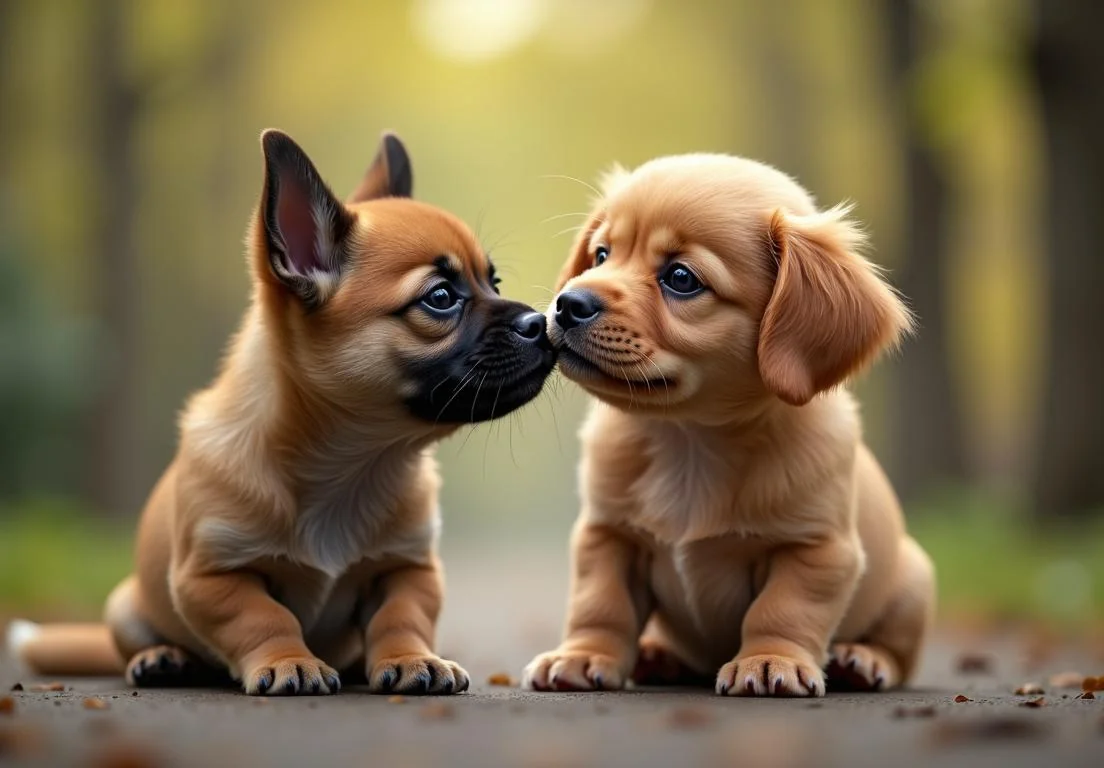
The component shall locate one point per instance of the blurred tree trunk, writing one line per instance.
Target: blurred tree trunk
(929, 448)
(1068, 478)
(115, 110)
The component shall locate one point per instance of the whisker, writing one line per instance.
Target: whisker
(460, 388)
(565, 231)
(572, 178)
(564, 216)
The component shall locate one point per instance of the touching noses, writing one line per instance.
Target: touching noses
(576, 307)
(529, 326)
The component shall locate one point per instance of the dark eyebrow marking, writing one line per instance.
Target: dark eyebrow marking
(446, 268)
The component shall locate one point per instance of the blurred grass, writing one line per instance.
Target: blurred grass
(58, 561)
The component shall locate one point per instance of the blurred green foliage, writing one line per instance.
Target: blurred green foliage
(56, 561)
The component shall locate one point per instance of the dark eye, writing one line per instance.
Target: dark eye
(495, 282)
(679, 280)
(441, 299)
(600, 255)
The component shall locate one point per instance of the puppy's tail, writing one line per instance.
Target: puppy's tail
(64, 649)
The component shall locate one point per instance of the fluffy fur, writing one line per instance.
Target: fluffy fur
(294, 535)
(734, 527)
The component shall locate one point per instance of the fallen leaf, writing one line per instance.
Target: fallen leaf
(438, 711)
(17, 687)
(1029, 689)
(960, 699)
(46, 687)
(101, 726)
(396, 699)
(94, 703)
(502, 679)
(1093, 684)
(924, 711)
(1089, 695)
(22, 741)
(1034, 703)
(689, 718)
(1067, 680)
(125, 756)
(956, 731)
(7, 706)
(975, 663)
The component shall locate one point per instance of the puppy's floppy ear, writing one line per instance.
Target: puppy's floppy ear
(304, 225)
(580, 259)
(830, 312)
(389, 175)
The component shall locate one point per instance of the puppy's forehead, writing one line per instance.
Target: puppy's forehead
(402, 234)
(688, 196)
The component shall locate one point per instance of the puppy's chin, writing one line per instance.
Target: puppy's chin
(475, 395)
(629, 388)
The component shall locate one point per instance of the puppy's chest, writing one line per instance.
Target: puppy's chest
(686, 491)
(331, 529)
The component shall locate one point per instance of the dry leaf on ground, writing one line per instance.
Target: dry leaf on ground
(689, 718)
(502, 679)
(953, 731)
(1034, 703)
(396, 699)
(17, 687)
(1093, 683)
(95, 703)
(1088, 695)
(962, 699)
(438, 710)
(1030, 689)
(975, 663)
(125, 756)
(7, 706)
(46, 687)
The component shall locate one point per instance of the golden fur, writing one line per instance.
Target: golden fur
(734, 527)
(294, 534)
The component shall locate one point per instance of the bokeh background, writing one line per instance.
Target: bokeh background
(967, 133)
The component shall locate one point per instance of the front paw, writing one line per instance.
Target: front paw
(417, 674)
(302, 676)
(766, 675)
(574, 671)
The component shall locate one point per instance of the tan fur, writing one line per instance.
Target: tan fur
(732, 515)
(294, 535)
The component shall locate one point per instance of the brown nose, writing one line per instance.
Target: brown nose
(576, 307)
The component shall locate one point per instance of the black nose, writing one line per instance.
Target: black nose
(529, 325)
(576, 307)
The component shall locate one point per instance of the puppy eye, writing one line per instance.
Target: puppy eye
(441, 299)
(679, 280)
(600, 255)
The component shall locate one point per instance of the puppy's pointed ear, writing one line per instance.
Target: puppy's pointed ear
(389, 175)
(830, 312)
(304, 225)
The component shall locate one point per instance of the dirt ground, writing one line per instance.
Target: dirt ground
(503, 608)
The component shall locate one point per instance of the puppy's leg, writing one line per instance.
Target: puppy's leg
(888, 655)
(259, 639)
(609, 603)
(787, 628)
(400, 635)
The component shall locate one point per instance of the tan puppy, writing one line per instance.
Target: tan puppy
(294, 535)
(729, 504)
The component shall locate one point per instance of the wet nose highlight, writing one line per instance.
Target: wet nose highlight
(576, 307)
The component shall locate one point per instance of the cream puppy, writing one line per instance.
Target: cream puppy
(734, 527)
